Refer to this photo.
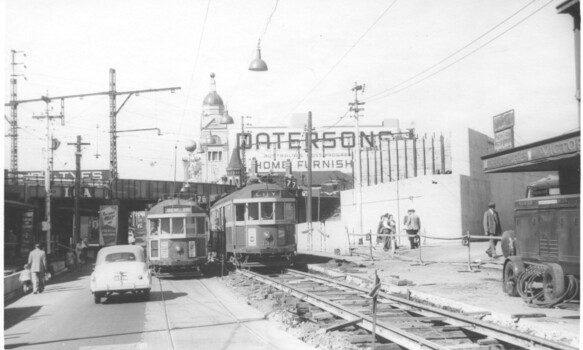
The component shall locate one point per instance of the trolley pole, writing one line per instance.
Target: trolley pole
(77, 219)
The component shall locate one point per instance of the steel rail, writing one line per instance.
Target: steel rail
(468, 323)
(395, 334)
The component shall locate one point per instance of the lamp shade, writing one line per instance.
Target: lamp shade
(258, 65)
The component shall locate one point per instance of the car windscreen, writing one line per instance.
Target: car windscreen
(119, 257)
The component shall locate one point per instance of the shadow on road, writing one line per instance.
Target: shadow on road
(13, 316)
(139, 298)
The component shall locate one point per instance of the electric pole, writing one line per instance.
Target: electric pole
(52, 144)
(355, 107)
(77, 194)
(14, 116)
(113, 112)
(309, 204)
(243, 148)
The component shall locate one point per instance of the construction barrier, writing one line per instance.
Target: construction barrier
(465, 239)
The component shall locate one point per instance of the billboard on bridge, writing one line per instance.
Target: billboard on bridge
(108, 224)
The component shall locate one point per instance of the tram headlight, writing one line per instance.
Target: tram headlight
(178, 249)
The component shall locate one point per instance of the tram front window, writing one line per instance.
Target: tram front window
(178, 226)
(153, 227)
(200, 223)
(165, 226)
(252, 211)
(267, 211)
(240, 212)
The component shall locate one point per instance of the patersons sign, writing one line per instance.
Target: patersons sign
(331, 150)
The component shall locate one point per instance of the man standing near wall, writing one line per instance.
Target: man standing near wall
(413, 225)
(492, 227)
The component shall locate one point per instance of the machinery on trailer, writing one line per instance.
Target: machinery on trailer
(543, 251)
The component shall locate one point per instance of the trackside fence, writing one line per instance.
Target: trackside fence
(466, 240)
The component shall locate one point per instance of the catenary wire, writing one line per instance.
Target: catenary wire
(343, 56)
(385, 95)
(453, 53)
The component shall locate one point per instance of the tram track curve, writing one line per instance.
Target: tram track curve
(409, 324)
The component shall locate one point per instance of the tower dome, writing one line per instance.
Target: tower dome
(213, 99)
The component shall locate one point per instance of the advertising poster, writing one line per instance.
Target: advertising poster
(108, 224)
(27, 233)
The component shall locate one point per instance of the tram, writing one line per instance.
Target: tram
(255, 226)
(177, 235)
(543, 251)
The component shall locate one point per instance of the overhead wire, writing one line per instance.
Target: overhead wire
(193, 68)
(387, 93)
(453, 53)
(344, 56)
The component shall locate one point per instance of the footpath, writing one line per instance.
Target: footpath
(443, 276)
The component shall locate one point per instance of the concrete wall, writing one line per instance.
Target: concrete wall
(435, 198)
(449, 205)
(328, 237)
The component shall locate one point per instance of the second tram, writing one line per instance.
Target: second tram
(177, 234)
(255, 226)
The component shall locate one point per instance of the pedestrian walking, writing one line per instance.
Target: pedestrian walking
(26, 279)
(388, 229)
(413, 225)
(492, 227)
(37, 260)
(80, 249)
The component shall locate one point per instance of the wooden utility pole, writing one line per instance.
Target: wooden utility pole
(309, 204)
(77, 194)
(51, 146)
(355, 107)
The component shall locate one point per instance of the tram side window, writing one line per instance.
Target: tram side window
(290, 211)
(240, 212)
(267, 211)
(154, 227)
(200, 223)
(252, 211)
(154, 249)
(279, 211)
(190, 225)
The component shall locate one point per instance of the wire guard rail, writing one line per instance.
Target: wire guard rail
(465, 239)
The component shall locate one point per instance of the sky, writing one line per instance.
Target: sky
(433, 65)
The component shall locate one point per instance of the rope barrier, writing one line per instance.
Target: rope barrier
(466, 240)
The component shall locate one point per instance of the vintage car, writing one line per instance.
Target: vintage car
(121, 269)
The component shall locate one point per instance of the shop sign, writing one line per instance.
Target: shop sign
(558, 148)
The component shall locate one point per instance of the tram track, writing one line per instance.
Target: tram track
(169, 284)
(399, 321)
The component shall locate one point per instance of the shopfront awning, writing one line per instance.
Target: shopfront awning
(547, 155)
(18, 205)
